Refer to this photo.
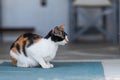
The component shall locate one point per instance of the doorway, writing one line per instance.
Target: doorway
(89, 47)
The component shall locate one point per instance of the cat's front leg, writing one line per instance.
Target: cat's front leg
(47, 60)
(43, 63)
(40, 60)
(51, 65)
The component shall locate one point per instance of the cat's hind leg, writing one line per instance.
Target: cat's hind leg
(22, 65)
(22, 61)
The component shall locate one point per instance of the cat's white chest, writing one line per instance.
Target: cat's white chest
(45, 48)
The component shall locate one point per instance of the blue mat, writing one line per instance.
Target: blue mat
(61, 71)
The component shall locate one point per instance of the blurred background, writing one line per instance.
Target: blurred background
(93, 26)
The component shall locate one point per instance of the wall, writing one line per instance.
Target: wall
(30, 13)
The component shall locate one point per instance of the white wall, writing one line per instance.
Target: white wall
(30, 13)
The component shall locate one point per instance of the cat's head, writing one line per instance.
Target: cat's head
(58, 35)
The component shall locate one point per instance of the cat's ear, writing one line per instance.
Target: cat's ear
(61, 28)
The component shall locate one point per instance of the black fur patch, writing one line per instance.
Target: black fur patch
(56, 38)
(18, 47)
(23, 46)
(30, 42)
(14, 43)
(30, 37)
(12, 46)
(49, 35)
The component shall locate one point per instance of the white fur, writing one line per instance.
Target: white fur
(40, 53)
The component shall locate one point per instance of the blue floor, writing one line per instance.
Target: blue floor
(61, 71)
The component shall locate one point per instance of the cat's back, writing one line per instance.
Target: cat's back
(25, 40)
(42, 44)
(22, 42)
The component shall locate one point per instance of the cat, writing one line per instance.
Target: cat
(31, 50)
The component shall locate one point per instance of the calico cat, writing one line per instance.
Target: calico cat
(31, 50)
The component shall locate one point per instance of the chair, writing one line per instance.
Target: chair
(102, 5)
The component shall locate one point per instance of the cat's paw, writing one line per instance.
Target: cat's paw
(46, 66)
(51, 65)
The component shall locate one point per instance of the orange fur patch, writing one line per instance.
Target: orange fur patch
(14, 61)
(14, 50)
(20, 41)
(36, 40)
